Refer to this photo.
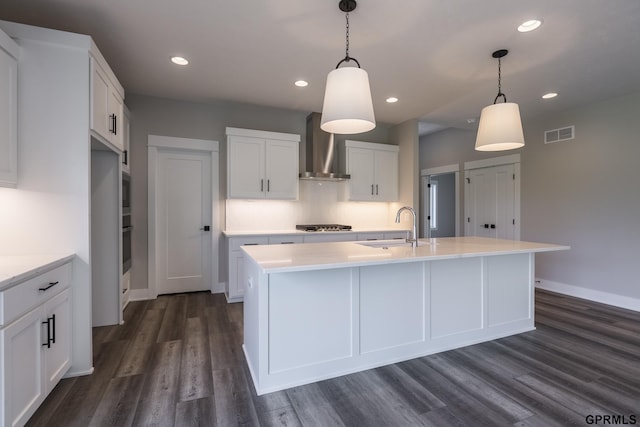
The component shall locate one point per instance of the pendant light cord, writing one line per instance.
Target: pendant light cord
(346, 55)
(347, 58)
(500, 94)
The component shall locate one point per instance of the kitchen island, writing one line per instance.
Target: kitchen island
(321, 310)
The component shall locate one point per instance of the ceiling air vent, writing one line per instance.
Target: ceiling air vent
(557, 135)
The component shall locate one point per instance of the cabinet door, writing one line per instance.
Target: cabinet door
(22, 388)
(8, 119)
(57, 354)
(360, 164)
(281, 169)
(114, 117)
(100, 94)
(245, 168)
(386, 175)
(236, 267)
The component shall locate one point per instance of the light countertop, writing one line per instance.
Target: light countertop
(287, 232)
(316, 256)
(17, 268)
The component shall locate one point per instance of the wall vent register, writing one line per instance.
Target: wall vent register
(557, 135)
(323, 227)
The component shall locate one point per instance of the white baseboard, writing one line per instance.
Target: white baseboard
(590, 294)
(139, 295)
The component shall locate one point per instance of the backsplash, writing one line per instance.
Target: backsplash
(319, 202)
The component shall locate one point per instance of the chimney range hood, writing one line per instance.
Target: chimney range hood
(320, 157)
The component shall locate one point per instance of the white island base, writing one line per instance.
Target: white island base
(305, 323)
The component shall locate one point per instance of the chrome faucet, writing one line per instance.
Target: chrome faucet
(414, 238)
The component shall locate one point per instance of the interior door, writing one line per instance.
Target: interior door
(491, 209)
(184, 221)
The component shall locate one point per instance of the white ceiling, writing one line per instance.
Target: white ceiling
(434, 55)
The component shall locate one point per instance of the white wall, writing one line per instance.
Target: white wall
(583, 193)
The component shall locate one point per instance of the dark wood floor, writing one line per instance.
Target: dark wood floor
(178, 361)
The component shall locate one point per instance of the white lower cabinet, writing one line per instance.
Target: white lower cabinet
(235, 284)
(35, 347)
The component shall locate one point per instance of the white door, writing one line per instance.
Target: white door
(492, 199)
(183, 239)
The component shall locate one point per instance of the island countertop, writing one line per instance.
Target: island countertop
(319, 256)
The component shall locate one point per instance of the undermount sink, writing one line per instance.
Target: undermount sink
(385, 243)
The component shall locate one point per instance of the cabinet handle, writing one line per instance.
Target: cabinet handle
(261, 185)
(372, 189)
(51, 321)
(51, 285)
(376, 189)
(268, 185)
(53, 328)
(114, 124)
(125, 157)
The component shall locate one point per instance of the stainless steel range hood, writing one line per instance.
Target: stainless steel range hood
(321, 154)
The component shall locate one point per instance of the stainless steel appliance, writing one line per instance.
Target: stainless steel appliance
(323, 227)
(126, 193)
(126, 222)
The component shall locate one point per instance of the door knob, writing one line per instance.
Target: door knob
(206, 228)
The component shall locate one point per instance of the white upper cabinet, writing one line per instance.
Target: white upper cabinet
(8, 111)
(262, 165)
(107, 113)
(374, 171)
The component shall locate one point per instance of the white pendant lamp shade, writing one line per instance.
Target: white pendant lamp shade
(347, 106)
(500, 128)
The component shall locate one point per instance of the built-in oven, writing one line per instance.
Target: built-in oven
(126, 193)
(126, 242)
(126, 222)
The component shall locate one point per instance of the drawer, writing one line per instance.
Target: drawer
(24, 296)
(329, 237)
(396, 235)
(370, 236)
(283, 240)
(236, 242)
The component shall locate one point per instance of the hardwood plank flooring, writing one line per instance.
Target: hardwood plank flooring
(178, 361)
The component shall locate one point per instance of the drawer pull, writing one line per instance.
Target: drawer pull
(51, 285)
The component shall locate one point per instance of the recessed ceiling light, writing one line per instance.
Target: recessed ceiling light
(301, 83)
(392, 99)
(549, 95)
(530, 25)
(179, 60)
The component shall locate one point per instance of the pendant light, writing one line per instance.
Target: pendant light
(347, 106)
(500, 126)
